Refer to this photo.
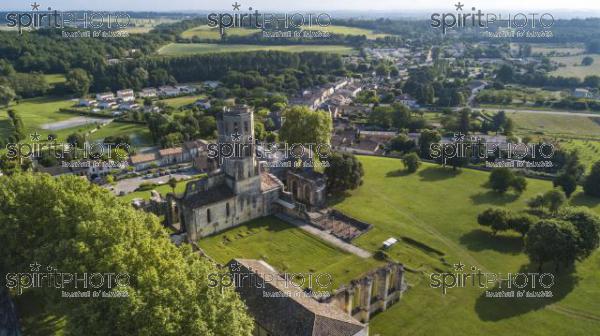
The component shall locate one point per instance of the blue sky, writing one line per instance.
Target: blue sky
(379, 5)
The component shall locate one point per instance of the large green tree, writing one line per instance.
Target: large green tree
(77, 227)
(304, 126)
(552, 240)
(591, 185)
(344, 172)
(79, 82)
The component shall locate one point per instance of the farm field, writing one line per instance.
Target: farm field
(573, 67)
(287, 248)
(54, 79)
(433, 212)
(182, 49)
(555, 125)
(208, 33)
(589, 150)
(557, 49)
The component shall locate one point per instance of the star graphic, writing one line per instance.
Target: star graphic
(459, 6)
(35, 136)
(35, 6)
(236, 136)
(459, 266)
(35, 267)
(458, 137)
(236, 6)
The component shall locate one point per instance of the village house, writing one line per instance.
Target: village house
(125, 96)
(148, 93)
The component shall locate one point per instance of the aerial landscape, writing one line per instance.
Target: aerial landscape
(343, 168)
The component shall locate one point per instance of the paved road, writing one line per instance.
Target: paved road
(565, 113)
(325, 236)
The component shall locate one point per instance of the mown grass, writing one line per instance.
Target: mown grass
(287, 248)
(437, 208)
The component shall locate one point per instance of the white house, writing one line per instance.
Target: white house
(107, 105)
(582, 93)
(147, 92)
(105, 96)
(126, 95)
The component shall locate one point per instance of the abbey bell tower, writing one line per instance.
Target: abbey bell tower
(235, 127)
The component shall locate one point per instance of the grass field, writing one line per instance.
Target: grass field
(556, 125)
(205, 32)
(287, 248)
(434, 212)
(557, 49)
(36, 112)
(208, 33)
(178, 102)
(54, 79)
(573, 67)
(139, 134)
(182, 49)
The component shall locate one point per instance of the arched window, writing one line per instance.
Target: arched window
(208, 219)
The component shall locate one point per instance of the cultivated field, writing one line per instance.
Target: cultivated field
(573, 67)
(434, 212)
(208, 33)
(182, 49)
(555, 125)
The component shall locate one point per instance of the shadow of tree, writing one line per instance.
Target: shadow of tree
(337, 198)
(581, 199)
(397, 173)
(500, 308)
(432, 174)
(492, 197)
(480, 240)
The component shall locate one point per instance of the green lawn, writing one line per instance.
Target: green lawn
(178, 102)
(182, 49)
(139, 133)
(287, 248)
(434, 212)
(573, 67)
(36, 112)
(162, 189)
(53, 79)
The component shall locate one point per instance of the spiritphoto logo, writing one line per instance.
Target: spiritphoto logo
(65, 150)
(85, 284)
(505, 154)
(314, 282)
(253, 18)
(476, 18)
(51, 18)
(497, 285)
(276, 154)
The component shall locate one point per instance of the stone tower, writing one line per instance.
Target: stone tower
(235, 128)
